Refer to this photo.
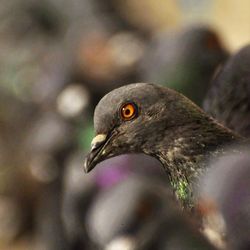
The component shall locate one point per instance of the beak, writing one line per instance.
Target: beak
(97, 146)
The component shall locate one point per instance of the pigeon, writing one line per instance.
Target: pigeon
(228, 99)
(157, 121)
(184, 60)
(145, 216)
(80, 191)
(224, 199)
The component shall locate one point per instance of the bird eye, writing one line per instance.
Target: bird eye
(128, 111)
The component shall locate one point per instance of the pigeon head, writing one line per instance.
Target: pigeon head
(133, 119)
(146, 118)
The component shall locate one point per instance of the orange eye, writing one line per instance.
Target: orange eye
(128, 111)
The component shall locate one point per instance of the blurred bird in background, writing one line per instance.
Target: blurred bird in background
(80, 191)
(224, 208)
(184, 60)
(228, 98)
(225, 199)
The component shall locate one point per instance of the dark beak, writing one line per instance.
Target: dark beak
(97, 146)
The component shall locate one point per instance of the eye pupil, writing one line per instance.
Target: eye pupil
(127, 112)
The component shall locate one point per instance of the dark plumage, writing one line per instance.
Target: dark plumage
(165, 125)
(225, 199)
(184, 60)
(228, 99)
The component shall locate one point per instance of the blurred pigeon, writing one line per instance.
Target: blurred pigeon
(80, 191)
(141, 214)
(157, 121)
(184, 60)
(228, 99)
(225, 199)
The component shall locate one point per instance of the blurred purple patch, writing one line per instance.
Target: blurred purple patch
(117, 169)
(108, 177)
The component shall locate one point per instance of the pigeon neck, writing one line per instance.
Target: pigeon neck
(185, 157)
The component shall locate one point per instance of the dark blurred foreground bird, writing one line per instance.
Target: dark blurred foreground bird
(184, 60)
(81, 191)
(228, 99)
(157, 121)
(141, 214)
(224, 199)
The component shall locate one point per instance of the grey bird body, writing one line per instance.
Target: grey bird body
(228, 98)
(224, 196)
(165, 125)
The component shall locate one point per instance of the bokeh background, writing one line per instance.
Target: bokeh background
(57, 59)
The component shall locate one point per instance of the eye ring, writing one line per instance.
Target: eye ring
(128, 111)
